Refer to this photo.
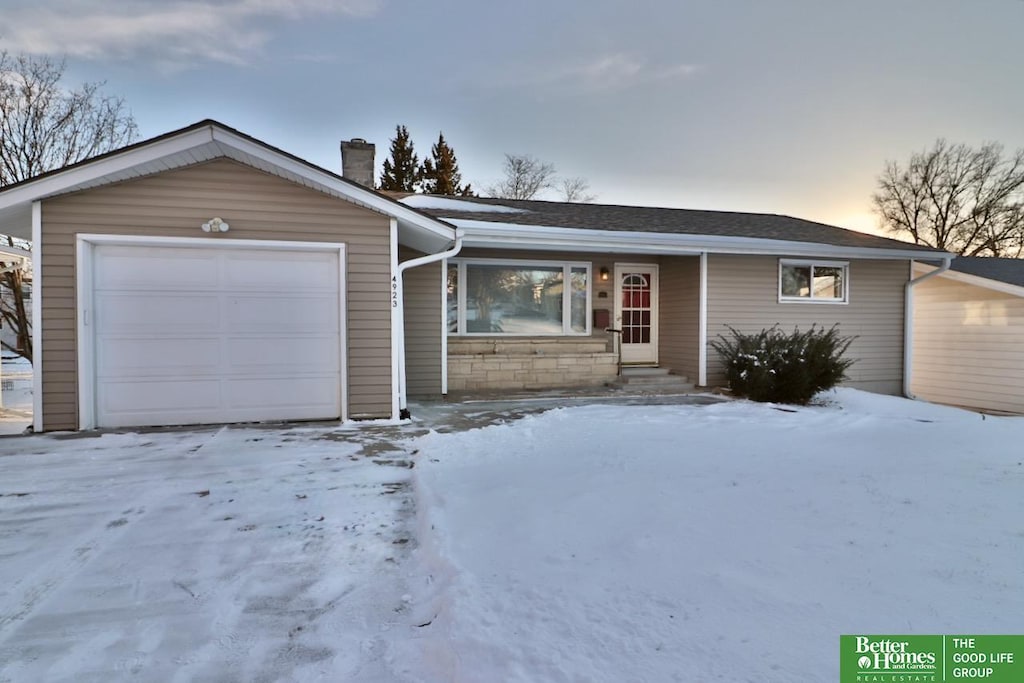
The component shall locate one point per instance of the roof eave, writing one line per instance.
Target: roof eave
(510, 236)
(975, 280)
(202, 143)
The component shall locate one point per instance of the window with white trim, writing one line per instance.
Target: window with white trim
(814, 281)
(518, 297)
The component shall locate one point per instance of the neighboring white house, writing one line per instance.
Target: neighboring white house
(969, 335)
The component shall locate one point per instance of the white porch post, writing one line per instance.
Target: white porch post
(702, 333)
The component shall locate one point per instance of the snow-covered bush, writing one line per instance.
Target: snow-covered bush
(776, 367)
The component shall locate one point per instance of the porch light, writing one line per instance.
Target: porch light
(604, 273)
(215, 225)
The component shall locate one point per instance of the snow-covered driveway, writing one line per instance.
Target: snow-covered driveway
(219, 555)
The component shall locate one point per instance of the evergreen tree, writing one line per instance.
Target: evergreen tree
(441, 172)
(402, 172)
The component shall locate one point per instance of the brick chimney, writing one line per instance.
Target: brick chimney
(357, 161)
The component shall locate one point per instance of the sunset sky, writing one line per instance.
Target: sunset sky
(778, 106)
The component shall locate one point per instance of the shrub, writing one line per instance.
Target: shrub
(784, 368)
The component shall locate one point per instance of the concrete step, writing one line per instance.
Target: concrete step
(653, 380)
(628, 371)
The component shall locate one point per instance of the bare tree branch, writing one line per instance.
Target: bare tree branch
(45, 126)
(575, 190)
(525, 177)
(958, 198)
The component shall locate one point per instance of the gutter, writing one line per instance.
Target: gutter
(908, 321)
(506, 236)
(403, 403)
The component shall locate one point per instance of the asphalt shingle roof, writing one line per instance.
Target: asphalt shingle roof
(1008, 270)
(678, 221)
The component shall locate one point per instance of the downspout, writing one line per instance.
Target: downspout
(702, 323)
(403, 403)
(908, 322)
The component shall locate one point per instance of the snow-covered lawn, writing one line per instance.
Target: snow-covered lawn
(732, 542)
(729, 542)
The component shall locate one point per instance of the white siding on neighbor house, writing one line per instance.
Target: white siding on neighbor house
(968, 346)
(743, 292)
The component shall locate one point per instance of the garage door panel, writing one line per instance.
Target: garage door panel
(258, 339)
(284, 313)
(167, 396)
(154, 268)
(281, 271)
(280, 354)
(316, 393)
(137, 313)
(134, 357)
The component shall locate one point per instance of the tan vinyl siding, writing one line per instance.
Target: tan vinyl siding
(422, 327)
(743, 293)
(968, 346)
(678, 315)
(257, 206)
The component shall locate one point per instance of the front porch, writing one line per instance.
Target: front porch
(651, 303)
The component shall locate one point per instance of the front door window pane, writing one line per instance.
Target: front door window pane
(578, 301)
(636, 308)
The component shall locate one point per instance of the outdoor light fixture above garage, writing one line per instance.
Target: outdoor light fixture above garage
(215, 225)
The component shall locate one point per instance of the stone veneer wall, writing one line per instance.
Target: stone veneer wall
(491, 363)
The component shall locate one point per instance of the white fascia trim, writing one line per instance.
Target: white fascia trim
(37, 317)
(226, 141)
(505, 235)
(92, 171)
(975, 280)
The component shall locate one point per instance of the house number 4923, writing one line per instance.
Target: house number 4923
(394, 292)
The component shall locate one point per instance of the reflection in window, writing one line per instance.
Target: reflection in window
(809, 281)
(518, 299)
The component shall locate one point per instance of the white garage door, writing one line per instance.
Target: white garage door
(211, 334)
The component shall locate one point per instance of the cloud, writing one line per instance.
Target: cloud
(175, 33)
(612, 72)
